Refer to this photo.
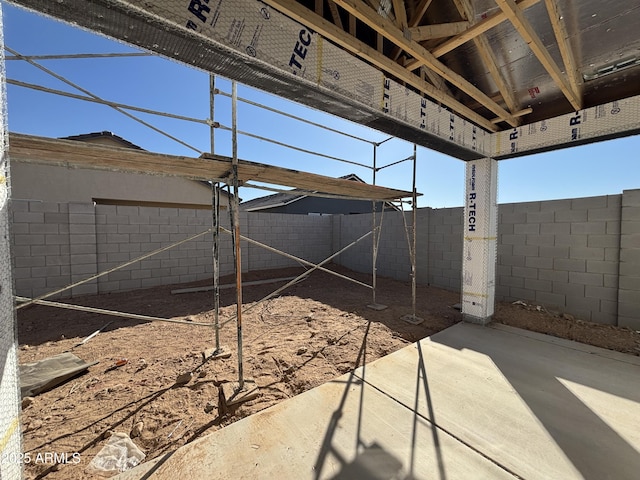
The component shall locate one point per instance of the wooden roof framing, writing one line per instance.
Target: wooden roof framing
(357, 47)
(389, 30)
(425, 36)
(73, 154)
(495, 63)
(514, 13)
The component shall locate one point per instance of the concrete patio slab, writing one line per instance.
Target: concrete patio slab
(468, 402)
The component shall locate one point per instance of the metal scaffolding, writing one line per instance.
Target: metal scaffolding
(232, 182)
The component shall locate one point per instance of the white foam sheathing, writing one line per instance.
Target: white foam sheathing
(11, 456)
(608, 120)
(255, 44)
(480, 240)
(252, 28)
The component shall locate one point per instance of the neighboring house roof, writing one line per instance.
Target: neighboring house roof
(282, 199)
(98, 136)
(87, 137)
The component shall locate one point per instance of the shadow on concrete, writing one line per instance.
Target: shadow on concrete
(599, 453)
(372, 460)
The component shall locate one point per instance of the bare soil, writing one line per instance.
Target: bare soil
(313, 332)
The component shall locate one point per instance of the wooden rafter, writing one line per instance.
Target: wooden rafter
(335, 14)
(419, 12)
(427, 32)
(401, 14)
(401, 22)
(472, 32)
(436, 80)
(319, 7)
(488, 59)
(522, 25)
(328, 30)
(382, 9)
(565, 47)
(390, 31)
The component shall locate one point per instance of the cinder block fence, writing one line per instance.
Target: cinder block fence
(580, 256)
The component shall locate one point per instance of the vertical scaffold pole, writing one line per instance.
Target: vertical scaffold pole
(215, 210)
(375, 238)
(236, 227)
(411, 240)
(374, 249)
(414, 199)
(216, 262)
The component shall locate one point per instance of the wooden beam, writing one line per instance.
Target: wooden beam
(442, 30)
(521, 113)
(352, 25)
(390, 31)
(401, 22)
(335, 14)
(421, 9)
(382, 9)
(564, 45)
(303, 15)
(320, 7)
(401, 14)
(74, 154)
(488, 59)
(472, 32)
(436, 80)
(522, 25)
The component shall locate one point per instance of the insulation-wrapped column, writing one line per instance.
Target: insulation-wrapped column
(10, 441)
(480, 240)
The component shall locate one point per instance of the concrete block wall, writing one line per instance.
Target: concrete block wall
(41, 251)
(443, 267)
(352, 227)
(629, 273)
(83, 252)
(562, 254)
(127, 232)
(393, 252)
(580, 256)
(306, 237)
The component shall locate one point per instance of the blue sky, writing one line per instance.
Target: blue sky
(167, 86)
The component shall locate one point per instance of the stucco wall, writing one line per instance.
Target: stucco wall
(54, 184)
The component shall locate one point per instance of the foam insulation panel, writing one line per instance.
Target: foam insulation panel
(609, 120)
(11, 455)
(248, 41)
(480, 240)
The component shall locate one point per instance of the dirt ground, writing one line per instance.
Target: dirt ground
(313, 332)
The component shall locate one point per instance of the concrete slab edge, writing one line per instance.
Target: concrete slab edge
(573, 345)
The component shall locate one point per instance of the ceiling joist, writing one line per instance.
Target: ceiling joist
(392, 33)
(488, 59)
(522, 25)
(472, 32)
(419, 13)
(401, 14)
(562, 39)
(335, 15)
(328, 30)
(442, 30)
